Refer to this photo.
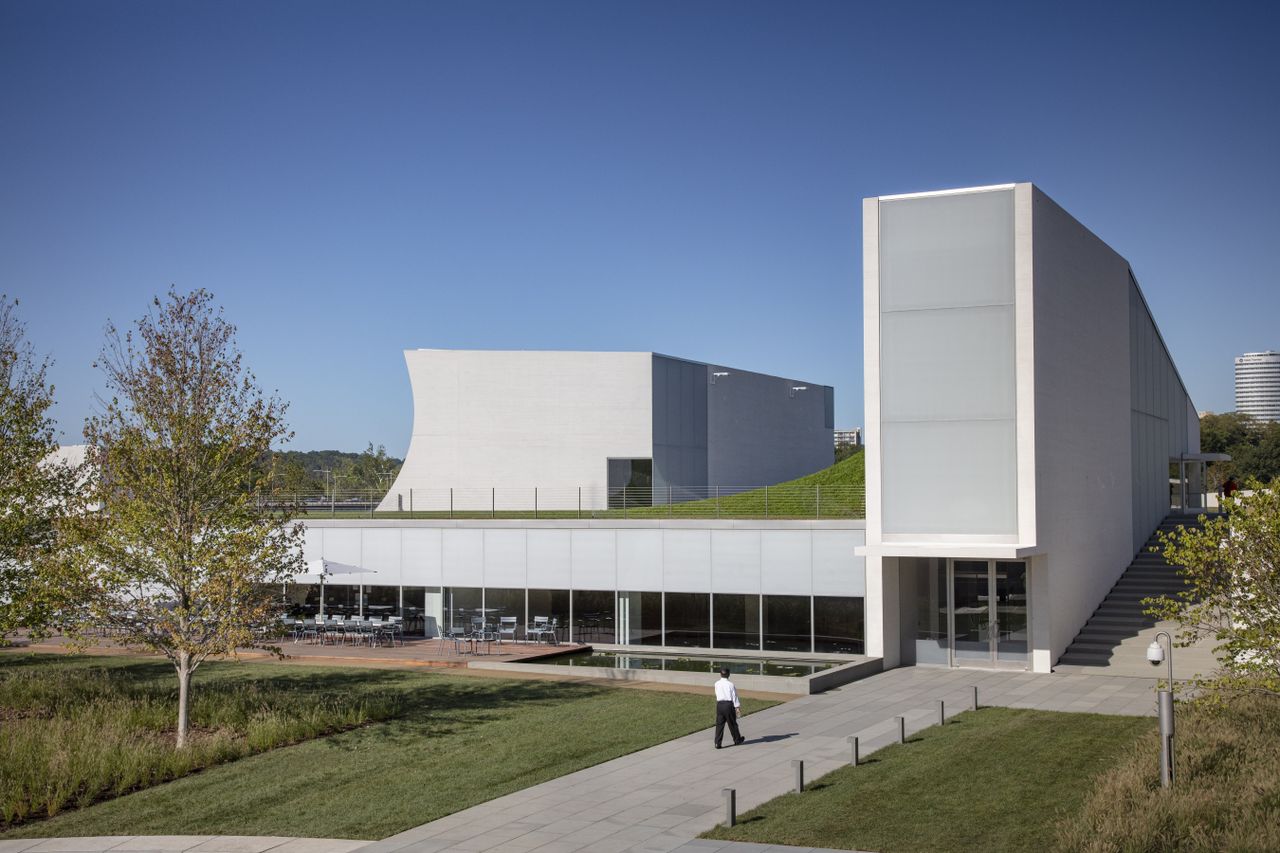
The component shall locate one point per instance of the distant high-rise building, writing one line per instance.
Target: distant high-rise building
(1258, 385)
(848, 437)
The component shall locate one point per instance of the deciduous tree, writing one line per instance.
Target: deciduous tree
(1232, 569)
(180, 559)
(35, 488)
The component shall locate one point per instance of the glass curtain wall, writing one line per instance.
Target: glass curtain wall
(593, 616)
(504, 602)
(838, 625)
(461, 605)
(413, 608)
(737, 621)
(640, 618)
(381, 602)
(553, 604)
(302, 599)
(933, 639)
(341, 601)
(787, 626)
(688, 621)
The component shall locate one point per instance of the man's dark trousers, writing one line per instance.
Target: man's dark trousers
(725, 713)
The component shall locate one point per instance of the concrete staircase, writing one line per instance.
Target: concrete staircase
(1116, 637)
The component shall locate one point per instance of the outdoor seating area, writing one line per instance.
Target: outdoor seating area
(383, 631)
(481, 634)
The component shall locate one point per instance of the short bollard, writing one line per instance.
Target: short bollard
(853, 744)
(797, 766)
(730, 806)
(973, 703)
(902, 729)
(942, 713)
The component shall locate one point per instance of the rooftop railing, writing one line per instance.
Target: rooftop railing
(631, 502)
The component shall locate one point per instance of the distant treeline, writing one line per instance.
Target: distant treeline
(1254, 446)
(317, 471)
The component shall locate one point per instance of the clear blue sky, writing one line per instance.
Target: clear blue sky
(354, 179)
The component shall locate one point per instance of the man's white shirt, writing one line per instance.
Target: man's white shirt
(725, 692)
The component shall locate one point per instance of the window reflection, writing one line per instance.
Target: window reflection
(786, 623)
(593, 616)
(688, 620)
(838, 625)
(737, 621)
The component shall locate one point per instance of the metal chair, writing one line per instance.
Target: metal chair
(506, 629)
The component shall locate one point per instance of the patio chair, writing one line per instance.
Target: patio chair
(542, 628)
(506, 629)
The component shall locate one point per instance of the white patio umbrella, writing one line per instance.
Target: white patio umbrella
(318, 570)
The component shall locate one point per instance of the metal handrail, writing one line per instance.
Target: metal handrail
(638, 502)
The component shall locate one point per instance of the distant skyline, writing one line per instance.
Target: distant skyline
(353, 180)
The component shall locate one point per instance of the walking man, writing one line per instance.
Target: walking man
(727, 706)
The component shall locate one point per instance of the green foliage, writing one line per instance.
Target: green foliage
(1232, 569)
(35, 490)
(302, 472)
(180, 560)
(978, 783)
(433, 744)
(1226, 793)
(1254, 447)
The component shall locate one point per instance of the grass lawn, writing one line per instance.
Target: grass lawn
(423, 744)
(997, 779)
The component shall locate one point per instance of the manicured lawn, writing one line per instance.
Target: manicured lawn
(993, 780)
(432, 743)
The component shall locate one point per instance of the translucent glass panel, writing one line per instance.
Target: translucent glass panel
(947, 251)
(949, 477)
(947, 364)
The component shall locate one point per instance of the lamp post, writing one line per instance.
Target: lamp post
(1164, 704)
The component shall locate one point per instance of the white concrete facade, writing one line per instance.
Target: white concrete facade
(1021, 409)
(491, 427)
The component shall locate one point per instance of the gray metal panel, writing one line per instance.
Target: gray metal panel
(679, 425)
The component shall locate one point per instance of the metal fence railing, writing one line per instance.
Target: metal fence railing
(782, 502)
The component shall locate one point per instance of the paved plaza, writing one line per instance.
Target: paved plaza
(662, 798)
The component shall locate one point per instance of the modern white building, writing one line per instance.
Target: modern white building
(1258, 385)
(558, 430)
(1023, 420)
(1025, 427)
(848, 437)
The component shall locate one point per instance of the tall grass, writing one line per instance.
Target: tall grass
(1226, 793)
(73, 732)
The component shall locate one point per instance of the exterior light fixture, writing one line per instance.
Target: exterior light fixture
(718, 374)
(1164, 704)
(795, 388)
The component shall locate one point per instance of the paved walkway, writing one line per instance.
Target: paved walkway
(662, 798)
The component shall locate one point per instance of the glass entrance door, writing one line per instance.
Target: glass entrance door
(989, 613)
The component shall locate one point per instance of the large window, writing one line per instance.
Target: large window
(640, 618)
(737, 621)
(787, 624)
(341, 600)
(553, 604)
(414, 609)
(302, 599)
(381, 601)
(688, 620)
(593, 616)
(838, 625)
(461, 605)
(630, 482)
(504, 602)
(933, 644)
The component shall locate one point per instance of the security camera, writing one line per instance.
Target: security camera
(1155, 653)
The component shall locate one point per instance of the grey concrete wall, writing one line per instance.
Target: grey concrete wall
(680, 428)
(760, 432)
(1109, 412)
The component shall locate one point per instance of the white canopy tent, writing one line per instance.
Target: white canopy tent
(318, 570)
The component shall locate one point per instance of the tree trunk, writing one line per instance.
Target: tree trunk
(184, 692)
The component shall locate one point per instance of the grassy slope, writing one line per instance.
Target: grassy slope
(994, 780)
(460, 741)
